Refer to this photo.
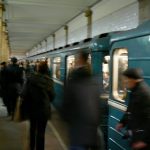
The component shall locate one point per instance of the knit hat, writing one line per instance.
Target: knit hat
(133, 73)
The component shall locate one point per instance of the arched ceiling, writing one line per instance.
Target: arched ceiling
(30, 21)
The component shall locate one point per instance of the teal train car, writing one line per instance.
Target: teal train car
(100, 47)
(61, 62)
(128, 49)
(110, 55)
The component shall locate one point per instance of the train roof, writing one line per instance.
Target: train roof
(143, 29)
(101, 42)
(74, 46)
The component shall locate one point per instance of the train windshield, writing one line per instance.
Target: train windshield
(56, 67)
(120, 63)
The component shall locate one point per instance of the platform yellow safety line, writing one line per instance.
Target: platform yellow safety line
(57, 136)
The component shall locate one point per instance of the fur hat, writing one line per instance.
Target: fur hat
(133, 73)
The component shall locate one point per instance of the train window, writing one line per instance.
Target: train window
(89, 59)
(71, 63)
(120, 63)
(106, 74)
(56, 67)
(49, 62)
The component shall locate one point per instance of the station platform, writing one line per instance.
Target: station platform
(14, 136)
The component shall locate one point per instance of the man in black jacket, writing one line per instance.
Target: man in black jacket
(13, 81)
(37, 94)
(137, 116)
(3, 82)
(82, 105)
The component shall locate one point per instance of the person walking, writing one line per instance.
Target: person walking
(14, 81)
(81, 106)
(137, 117)
(3, 83)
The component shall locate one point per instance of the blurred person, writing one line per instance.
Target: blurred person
(81, 106)
(37, 94)
(49, 67)
(3, 82)
(29, 69)
(14, 80)
(22, 71)
(137, 117)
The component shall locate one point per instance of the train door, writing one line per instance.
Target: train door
(56, 68)
(100, 66)
(49, 66)
(57, 78)
(70, 65)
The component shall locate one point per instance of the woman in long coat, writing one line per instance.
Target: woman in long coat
(37, 94)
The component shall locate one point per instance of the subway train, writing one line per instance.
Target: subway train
(110, 54)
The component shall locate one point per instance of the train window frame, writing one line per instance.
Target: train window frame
(115, 78)
(56, 61)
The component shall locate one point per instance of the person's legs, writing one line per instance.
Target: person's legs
(95, 148)
(146, 148)
(13, 104)
(7, 104)
(12, 99)
(78, 148)
(33, 126)
(40, 138)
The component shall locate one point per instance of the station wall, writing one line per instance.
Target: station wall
(108, 15)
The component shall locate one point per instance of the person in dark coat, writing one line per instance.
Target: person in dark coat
(14, 80)
(81, 106)
(37, 94)
(29, 69)
(137, 116)
(3, 81)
